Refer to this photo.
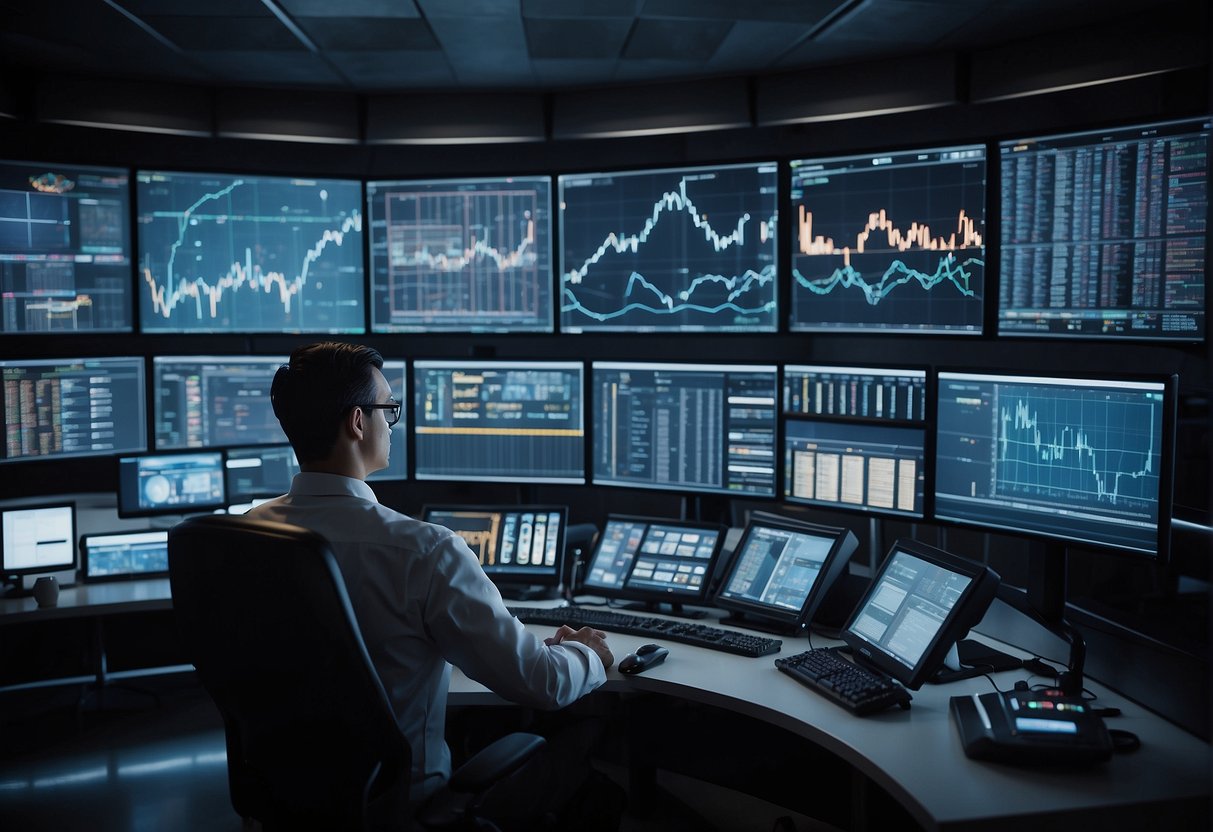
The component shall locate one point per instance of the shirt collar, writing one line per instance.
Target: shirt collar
(314, 484)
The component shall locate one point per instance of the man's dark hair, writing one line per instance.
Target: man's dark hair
(312, 394)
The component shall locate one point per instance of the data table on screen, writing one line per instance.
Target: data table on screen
(677, 250)
(228, 253)
(889, 242)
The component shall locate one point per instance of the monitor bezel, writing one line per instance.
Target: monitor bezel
(421, 364)
(550, 576)
(5, 571)
(625, 593)
(839, 555)
(1167, 460)
(89, 578)
(125, 512)
(966, 613)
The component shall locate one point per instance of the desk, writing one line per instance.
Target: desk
(94, 602)
(916, 755)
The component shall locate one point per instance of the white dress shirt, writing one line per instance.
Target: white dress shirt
(422, 600)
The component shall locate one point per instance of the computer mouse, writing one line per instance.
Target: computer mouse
(646, 656)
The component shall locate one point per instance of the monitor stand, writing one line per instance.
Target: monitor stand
(968, 658)
(663, 608)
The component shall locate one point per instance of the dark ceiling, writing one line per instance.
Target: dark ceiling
(411, 45)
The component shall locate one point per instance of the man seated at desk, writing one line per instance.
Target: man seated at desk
(418, 592)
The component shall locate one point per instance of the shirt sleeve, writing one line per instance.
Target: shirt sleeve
(474, 631)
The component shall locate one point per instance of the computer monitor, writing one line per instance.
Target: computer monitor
(264, 471)
(461, 255)
(118, 556)
(514, 544)
(674, 250)
(1077, 460)
(73, 407)
(920, 604)
(654, 559)
(890, 242)
(855, 392)
(37, 539)
(686, 427)
(782, 570)
(234, 253)
(207, 401)
(861, 466)
(502, 421)
(65, 248)
(176, 483)
(1105, 233)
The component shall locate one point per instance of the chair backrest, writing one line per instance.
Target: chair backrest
(266, 620)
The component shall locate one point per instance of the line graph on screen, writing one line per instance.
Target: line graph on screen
(250, 254)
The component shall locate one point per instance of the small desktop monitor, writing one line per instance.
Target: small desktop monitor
(655, 560)
(876, 468)
(889, 242)
(674, 250)
(1081, 461)
(236, 253)
(499, 421)
(686, 427)
(72, 407)
(37, 539)
(461, 255)
(516, 545)
(177, 483)
(920, 604)
(1105, 233)
(255, 472)
(782, 570)
(118, 556)
(65, 249)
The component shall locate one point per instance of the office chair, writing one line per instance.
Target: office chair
(312, 742)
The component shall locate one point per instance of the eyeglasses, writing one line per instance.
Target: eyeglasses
(393, 411)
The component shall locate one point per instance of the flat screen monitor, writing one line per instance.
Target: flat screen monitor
(674, 250)
(514, 544)
(264, 471)
(73, 407)
(782, 570)
(118, 556)
(233, 253)
(212, 401)
(686, 427)
(503, 421)
(1105, 233)
(461, 255)
(890, 242)
(37, 539)
(1083, 461)
(921, 602)
(879, 393)
(65, 248)
(862, 466)
(654, 559)
(177, 483)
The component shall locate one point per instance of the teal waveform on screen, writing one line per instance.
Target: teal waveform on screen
(670, 305)
(959, 274)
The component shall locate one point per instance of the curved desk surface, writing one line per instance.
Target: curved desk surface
(916, 755)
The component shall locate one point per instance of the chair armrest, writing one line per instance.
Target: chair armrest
(495, 762)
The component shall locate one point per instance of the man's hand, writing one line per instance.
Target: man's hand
(591, 638)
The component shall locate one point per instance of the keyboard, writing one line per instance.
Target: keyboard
(856, 688)
(685, 632)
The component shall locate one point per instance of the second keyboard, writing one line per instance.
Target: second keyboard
(856, 688)
(685, 632)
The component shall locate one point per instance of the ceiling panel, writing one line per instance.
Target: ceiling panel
(576, 38)
(349, 8)
(217, 34)
(486, 52)
(677, 40)
(353, 34)
(272, 68)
